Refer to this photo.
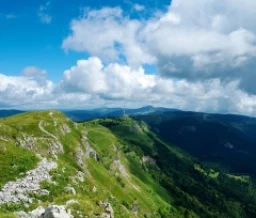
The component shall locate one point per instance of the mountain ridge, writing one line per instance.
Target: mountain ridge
(87, 160)
(111, 167)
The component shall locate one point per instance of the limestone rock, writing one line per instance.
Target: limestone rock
(108, 210)
(70, 190)
(94, 189)
(55, 211)
(37, 212)
(72, 201)
(18, 191)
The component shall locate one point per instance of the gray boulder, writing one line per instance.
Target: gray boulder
(55, 211)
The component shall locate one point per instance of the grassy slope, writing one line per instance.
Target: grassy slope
(177, 186)
(128, 187)
(195, 188)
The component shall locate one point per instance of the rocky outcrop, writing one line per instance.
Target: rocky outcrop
(41, 127)
(90, 152)
(119, 169)
(26, 142)
(148, 160)
(18, 191)
(80, 155)
(108, 210)
(79, 177)
(53, 211)
(117, 165)
(70, 190)
(56, 212)
(55, 147)
(65, 129)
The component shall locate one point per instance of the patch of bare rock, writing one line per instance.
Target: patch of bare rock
(18, 191)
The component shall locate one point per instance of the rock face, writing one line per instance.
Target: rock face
(41, 127)
(56, 212)
(53, 211)
(90, 152)
(108, 210)
(55, 147)
(65, 129)
(26, 142)
(17, 191)
(149, 160)
(37, 213)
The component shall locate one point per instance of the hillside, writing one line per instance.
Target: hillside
(110, 167)
(228, 140)
(80, 166)
(204, 190)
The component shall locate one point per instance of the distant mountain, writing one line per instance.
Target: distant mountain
(226, 139)
(7, 113)
(83, 115)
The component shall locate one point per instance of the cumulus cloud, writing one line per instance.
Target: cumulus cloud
(114, 83)
(43, 13)
(193, 40)
(206, 61)
(36, 74)
(24, 92)
(91, 83)
(201, 40)
(108, 34)
(33, 72)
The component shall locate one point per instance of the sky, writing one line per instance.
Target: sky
(191, 55)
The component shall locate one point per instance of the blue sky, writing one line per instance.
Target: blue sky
(26, 40)
(190, 55)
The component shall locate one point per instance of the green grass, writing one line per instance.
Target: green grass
(14, 161)
(125, 140)
(242, 178)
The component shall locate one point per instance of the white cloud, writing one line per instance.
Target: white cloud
(36, 74)
(139, 7)
(90, 83)
(24, 92)
(115, 84)
(202, 40)
(113, 81)
(205, 52)
(43, 13)
(194, 40)
(106, 33)
(33, 71)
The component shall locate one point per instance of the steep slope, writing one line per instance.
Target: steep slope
(46, 159)
(110, 168)
(197, 189)
(228, 140)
